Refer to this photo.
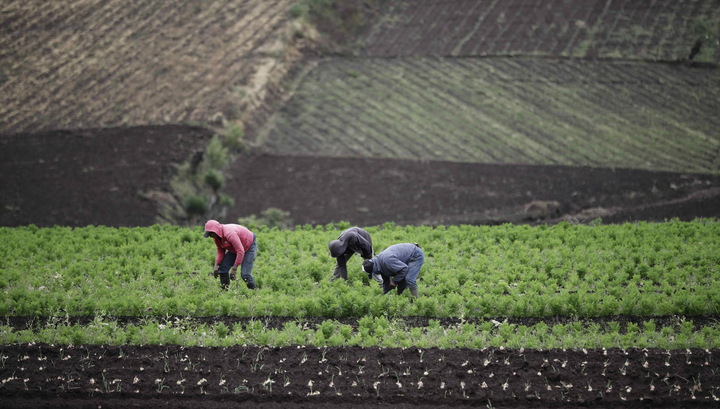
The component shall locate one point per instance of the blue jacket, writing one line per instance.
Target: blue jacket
(393, 261)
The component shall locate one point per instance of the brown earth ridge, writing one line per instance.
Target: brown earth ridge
(85, 177)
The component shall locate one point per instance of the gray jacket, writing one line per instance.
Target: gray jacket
(352, 240)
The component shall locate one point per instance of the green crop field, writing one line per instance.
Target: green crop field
(513, 111)
(485, 275)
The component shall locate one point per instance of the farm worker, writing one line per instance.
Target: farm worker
(236, 246)
(399, 266)
(351, 241)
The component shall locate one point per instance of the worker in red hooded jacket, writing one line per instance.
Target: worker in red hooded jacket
(236, 246)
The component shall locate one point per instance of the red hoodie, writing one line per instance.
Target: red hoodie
(233, 237)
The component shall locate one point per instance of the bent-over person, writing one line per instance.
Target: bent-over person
(398, 266)
(236, 246)
(351, 241)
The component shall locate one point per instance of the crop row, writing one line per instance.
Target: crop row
(656, 30)
(369, 331)
(528, 111)
(80, 64)
(645, 269)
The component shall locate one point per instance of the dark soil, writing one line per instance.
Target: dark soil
(117, 176)
(41, 375)
(91, 176)
(365, 191)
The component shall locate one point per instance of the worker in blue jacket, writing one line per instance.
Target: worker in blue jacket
(398, 266)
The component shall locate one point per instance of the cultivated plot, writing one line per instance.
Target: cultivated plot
(511, 111)
(625, 29)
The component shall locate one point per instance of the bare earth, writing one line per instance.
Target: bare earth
(42, 375)
(77, 178)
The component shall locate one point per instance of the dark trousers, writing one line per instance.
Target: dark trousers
(246, 266)
(340, 270)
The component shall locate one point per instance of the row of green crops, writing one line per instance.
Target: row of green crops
(377, 331)
(641, 269)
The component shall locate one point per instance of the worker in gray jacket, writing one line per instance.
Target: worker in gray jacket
(398, 266)
(351, 241)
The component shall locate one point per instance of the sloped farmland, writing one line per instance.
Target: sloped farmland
(88, 64)
(628, 29)
(508, 111)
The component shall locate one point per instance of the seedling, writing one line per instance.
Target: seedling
(241, 388)
(310, 385)
(268, 383)
(160, 385)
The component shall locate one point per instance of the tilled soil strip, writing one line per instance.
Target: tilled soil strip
(356, 376)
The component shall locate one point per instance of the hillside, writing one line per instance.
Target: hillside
(602, 29)
(74, 64)
(505, 110)
(593, 108)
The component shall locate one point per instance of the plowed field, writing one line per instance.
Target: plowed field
(43, 375)
(76, 178)
(627, 29)
(507, 110)
(88, 64)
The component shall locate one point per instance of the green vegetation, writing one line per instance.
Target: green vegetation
(329, 23)
(642, 270)
(198, 183)
(369, 332)
(705, 37)
(512, 111)
(588, 271)
(270, 217)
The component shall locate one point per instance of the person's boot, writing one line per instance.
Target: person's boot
(414, 292)
(251, 284)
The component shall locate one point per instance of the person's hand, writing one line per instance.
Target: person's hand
(233, 272)
(392, 284)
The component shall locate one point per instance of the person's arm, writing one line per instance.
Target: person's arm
(219, 256)
(234, 240)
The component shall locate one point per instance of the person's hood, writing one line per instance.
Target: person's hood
(368, 266)
(337, 248)
(213, 226)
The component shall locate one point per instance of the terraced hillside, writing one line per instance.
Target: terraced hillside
(491, 82)
(505, 110)
(89, 64)
(626, 29)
